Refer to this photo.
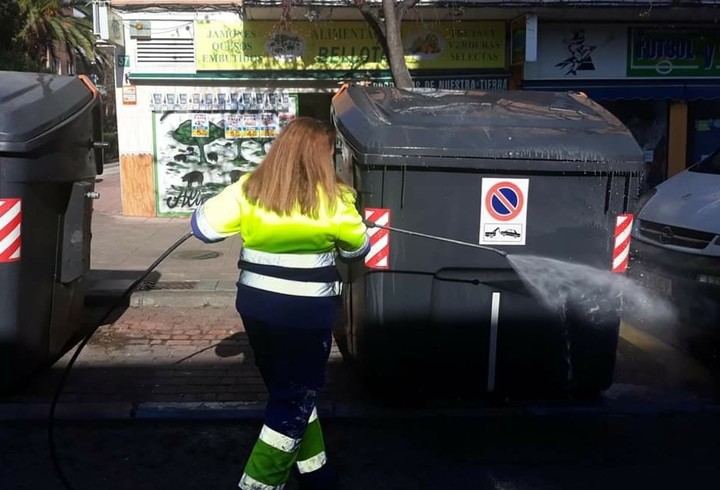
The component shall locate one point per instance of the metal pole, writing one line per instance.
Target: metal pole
(371, 224)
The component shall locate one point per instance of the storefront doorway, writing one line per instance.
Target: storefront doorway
(648, 122)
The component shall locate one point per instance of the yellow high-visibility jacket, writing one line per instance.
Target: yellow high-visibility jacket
(293, 241)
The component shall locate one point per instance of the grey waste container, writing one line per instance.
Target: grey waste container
(49, 126)
(532, 173)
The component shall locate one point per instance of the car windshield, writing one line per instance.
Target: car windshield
(711, 165)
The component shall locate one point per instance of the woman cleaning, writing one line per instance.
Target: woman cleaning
(294, 216)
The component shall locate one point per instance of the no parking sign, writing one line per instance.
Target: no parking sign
(503, 216)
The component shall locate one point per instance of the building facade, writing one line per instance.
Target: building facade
(202, 91)
(204, 87)
(662, 81)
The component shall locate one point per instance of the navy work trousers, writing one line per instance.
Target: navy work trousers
(292, 363)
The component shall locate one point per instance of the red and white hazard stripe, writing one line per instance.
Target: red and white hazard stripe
(10, 219)
(621, 247)
(379, 255)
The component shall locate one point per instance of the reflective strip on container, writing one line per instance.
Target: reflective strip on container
(296, 261)
(379, 255)
(621, 246)
(292, 288)
(312, 464)
(10, 225)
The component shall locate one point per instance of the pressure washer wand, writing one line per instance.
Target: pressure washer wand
(372, 224)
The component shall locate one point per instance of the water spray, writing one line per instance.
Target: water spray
(557, 283)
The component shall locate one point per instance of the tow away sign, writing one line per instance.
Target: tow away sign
(503, 215)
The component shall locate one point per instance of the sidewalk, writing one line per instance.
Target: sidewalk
(196, 274)
(165, 362)
(178, 346)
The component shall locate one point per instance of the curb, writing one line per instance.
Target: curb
(183, 299)
(15, 412)
(216, 411)
(176, 294)
(187, 294)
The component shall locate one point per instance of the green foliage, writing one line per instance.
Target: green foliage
(10, 22)
(35, 32)
(51, 24)
(17, 60)
(11, 56)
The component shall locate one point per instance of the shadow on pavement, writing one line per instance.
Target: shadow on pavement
(435, 453)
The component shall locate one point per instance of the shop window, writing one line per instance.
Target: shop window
(703, 129)
(315, 105)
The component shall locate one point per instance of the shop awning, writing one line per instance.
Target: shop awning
(634, 89)
(447, 80)
(165, 3)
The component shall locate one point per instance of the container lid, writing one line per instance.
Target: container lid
(514, 125)
(33, 103)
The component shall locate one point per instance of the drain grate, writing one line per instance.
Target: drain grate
(172, 285)
(147, 284)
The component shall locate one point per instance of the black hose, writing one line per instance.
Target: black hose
(66, 372)
(372, 224)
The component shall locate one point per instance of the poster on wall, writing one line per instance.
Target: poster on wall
(129, 95)
(200, 127)
(197, 154)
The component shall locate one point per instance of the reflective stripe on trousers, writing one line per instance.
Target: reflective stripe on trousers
(274, 453)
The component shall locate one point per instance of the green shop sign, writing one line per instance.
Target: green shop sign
(674, 53)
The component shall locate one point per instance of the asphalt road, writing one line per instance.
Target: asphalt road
(499, 452)
(655, 429)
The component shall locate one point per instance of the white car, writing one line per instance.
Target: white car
(676, 241)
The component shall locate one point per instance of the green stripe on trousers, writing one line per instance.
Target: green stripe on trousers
(312, 442)
(272, 466)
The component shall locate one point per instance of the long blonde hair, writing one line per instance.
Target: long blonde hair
(296, 170)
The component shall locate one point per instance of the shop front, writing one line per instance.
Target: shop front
(687, 58)
(663, 84)
(203, 98)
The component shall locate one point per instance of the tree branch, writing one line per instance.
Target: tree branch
(372, 17)
(404, 6)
